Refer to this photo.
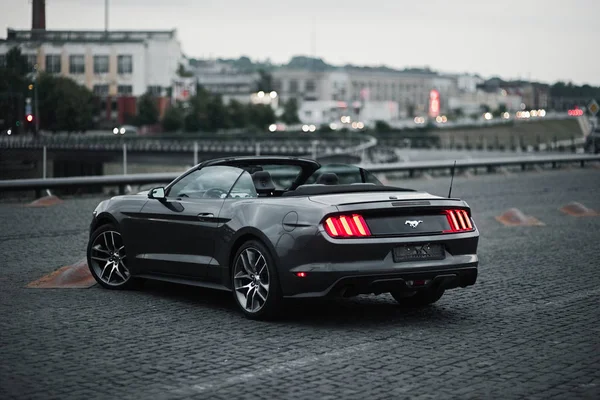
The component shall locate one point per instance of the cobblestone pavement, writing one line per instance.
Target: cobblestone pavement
(530, 327)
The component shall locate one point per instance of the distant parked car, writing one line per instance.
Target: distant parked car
(123, 129)
(592, 143)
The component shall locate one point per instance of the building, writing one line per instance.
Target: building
(117, 66)
(471, 103)
(409, 90)
(224, 79)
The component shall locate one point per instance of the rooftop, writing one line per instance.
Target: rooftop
(13, 35)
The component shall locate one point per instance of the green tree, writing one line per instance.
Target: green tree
(64, 105)
(238, 114)
(217, 116)
(13, 88)
(500, 110)
(290, 112)
(173, 118)
(147, 111)
(265, 81)
(260, 116)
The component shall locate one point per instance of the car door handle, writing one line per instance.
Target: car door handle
(206, 215)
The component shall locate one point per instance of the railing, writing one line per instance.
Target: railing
(411, 167)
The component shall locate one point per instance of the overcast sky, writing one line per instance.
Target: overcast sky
(544, 40)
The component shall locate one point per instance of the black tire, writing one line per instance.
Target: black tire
(273, 304)
(94, 264)
(421, 298)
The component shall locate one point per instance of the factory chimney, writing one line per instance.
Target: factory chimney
(38, 11)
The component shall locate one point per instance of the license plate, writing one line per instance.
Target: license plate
(420, 252)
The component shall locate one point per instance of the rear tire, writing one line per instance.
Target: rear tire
(255, 282)
(422, 298)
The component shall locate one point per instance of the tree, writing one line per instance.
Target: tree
(13, 88)
(64, 105)
(260, 115)
(500, 110)
(173, 118)
(290, 112)
(147, 112)
(265, 81)
(238, 114)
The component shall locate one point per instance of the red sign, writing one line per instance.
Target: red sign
(434, 103)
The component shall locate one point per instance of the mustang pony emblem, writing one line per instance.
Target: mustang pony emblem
(413, 224)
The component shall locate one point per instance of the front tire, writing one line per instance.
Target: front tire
(421, 298)
(255, 282)
(107, 258)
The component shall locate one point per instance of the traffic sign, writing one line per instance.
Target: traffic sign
(593, 107)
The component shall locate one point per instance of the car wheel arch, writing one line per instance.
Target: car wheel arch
(104, 218)
(242, 237)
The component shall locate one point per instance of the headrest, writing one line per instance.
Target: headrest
(328, 178)
(263, 182)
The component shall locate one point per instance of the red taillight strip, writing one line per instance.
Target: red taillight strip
(459, 221)
(346, 226)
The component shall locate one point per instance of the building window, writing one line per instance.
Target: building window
(311, 86)
(53, 63)
(100, 64)
(155, 90)
(101, 90)
(124, 89)
(76, 64)
(293, 86)
(125, 64)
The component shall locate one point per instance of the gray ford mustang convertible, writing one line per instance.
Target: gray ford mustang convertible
(269, 228)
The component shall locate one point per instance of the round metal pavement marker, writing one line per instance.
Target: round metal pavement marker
(516, 217)
(578, 210)
(76, 276)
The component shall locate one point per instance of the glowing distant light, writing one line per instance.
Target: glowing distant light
(9, 132)
(305, 128)
(116, 131)
(438, 119)
(261, 94)
(272, 127)
(444, 119)
(542, 113)
(354, 125)
(506, 115)
(273, 94)
(122, 131)
(312, 128)
(360, 125)
(487, 116)
(29, 118)
(333, 126)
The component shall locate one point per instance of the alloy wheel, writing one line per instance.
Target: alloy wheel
(108, 258)
(251, 279)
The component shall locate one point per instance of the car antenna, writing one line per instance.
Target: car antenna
(452, 179)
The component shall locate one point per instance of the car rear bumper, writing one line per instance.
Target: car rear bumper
(363, 277)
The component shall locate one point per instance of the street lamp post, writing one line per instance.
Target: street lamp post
(35, 99)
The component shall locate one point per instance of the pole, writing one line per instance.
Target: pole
(257, 148)
(124, 159)
(35, 99)
(195, 153)
(106, 16)
(44, 163)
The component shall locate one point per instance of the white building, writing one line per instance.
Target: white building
(224, 79)
(108, 63)
(408, 89)
(470, 103)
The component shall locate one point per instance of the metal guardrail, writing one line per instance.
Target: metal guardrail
(411, 167)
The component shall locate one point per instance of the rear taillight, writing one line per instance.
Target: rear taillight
(459, 221)
(352, 225)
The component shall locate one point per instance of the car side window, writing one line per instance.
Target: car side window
(243, 188)
(208, 182)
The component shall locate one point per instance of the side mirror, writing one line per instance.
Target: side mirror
(157, 193)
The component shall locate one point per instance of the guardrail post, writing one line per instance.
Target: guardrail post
(257, 148)
(124, 160)
(195, 153)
